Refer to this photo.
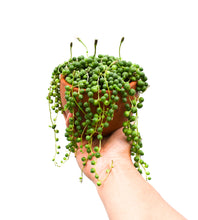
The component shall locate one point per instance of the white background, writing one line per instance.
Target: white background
(35, 35)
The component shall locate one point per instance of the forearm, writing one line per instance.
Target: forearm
(126, 196)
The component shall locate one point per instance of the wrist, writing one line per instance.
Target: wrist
(117, 191)
(118, 169)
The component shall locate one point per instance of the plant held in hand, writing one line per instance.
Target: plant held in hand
(103, 93)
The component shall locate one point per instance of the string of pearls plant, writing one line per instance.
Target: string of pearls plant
(105, 80)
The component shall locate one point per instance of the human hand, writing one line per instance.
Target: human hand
(114, 150)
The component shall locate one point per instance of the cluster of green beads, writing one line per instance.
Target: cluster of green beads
(54, 101)
(101, 78)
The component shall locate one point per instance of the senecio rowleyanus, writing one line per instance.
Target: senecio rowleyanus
(96, 85)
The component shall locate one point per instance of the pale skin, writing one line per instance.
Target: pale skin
(126, 195)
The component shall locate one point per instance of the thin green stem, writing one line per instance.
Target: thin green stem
(144, 171)
(83, 45)
(108, 172)
(79, 106)
(54, 159)
(100, 145)
(114, 62)
(50, 113)
(51, 116)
